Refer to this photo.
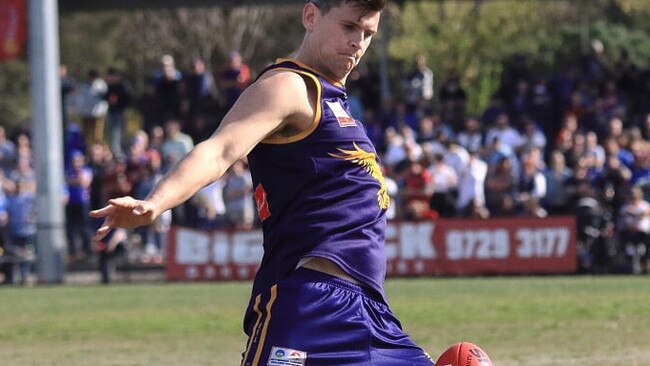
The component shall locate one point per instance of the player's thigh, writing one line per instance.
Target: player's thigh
(314, 324)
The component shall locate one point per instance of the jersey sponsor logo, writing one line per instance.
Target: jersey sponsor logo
(281, 356)
(341, 115)
(262, 204)
(368, 161)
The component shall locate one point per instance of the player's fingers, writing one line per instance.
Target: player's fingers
(125, 202)
(102, 232)
(102, 212)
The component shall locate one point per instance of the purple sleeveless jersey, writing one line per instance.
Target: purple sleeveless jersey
(321, 193)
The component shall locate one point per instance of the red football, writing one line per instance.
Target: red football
(464, 354)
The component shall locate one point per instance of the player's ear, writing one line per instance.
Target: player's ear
(310, 14)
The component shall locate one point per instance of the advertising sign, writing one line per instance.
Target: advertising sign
(441, 247)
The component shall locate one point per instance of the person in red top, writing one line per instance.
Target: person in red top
(234, 78)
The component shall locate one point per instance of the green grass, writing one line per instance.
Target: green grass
(564, 321)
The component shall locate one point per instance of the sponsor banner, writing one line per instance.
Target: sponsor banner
(13, 28)
(441, 247)
(498, 246)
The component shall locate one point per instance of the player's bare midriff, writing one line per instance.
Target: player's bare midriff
(329, 267)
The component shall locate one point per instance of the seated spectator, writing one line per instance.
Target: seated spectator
(415, 190)
(471, 187)
(471, 136)
(635, 229)
(613, 185)
(532, 186)
(501, 188)
(444, 186)
(557, 174)
(533, 136)
(509, 136)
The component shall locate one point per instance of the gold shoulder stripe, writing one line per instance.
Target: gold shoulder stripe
(317, 115)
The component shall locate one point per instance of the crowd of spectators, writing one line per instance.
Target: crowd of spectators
(575, 142)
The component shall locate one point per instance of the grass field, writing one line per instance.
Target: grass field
(530, 321)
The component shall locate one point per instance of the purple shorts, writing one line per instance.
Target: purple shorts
(314, 319)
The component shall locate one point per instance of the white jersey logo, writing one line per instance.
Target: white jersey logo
(286, 357)
(341, 115)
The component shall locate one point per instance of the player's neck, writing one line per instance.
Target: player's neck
(305, 57)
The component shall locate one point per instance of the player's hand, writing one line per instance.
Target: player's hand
(125, 212)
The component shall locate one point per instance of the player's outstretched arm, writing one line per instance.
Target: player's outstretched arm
(267, 106)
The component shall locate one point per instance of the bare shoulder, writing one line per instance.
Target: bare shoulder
(292, 92)
(285, 84)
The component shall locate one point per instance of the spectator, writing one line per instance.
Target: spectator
(108, 249)
(78, 179)
(401, 117)
(238, 196)
(8, 153)
(635, 230)
(613, 184)
(444, 187)
(234, 77)
(73, 140)
(23, 171)
(533, 136)
(21, 207)
(167, 84)
(557, 174)
(509, 136)
(594, 151)
(211, 209)
(532, 186)
(118, 96)
(612, 147)
(501, 188)
(471, 186)
(175, 146)
(579, 185)
(6, 269)
(153, 236)
(641, 168)
(453, 100)
(199, 100)
(419, 85)
(92, 107)
(471, 136)
(68, 85)
(416, 188)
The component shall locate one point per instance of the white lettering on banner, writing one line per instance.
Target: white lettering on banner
(192, 247)
(221, 248)
(542, 243)
(247, 247)
(416, 241)
(477, 244)
(210, 272)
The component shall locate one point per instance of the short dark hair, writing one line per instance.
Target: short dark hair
(368, 5)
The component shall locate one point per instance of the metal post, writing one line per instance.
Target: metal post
(383, 56)
(47, 138)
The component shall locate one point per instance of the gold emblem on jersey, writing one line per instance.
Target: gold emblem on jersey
(368, 161)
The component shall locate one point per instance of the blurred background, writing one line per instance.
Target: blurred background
(480, 110)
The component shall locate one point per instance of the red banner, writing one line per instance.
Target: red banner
(13, 28)
(442, 247)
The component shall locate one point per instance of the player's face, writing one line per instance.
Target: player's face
(342, 37)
